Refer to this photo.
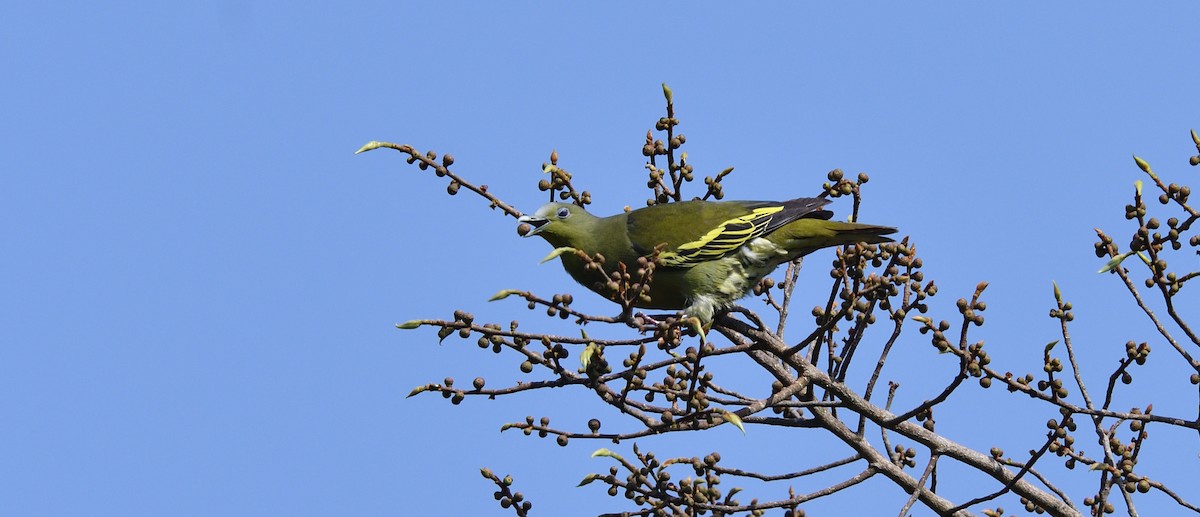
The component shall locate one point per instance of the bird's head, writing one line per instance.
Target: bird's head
(562, 224)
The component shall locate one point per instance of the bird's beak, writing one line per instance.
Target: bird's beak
(537, 223)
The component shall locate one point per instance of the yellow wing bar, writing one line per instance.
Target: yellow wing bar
(725, 238)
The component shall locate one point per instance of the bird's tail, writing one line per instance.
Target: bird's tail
(805, 236)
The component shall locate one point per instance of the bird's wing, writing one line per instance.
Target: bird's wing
(695, 232)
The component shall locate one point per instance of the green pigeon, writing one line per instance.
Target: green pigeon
(712, 253)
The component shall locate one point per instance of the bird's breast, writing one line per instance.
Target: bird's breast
(715, 284)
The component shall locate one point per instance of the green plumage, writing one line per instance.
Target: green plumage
(713, 252)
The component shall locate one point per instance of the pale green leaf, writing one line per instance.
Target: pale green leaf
(503, 294)
(557, 251)
(607, 454)
(1116, 261)
(590, 351)
(734, 419)
(371, 146)
(1141, 164)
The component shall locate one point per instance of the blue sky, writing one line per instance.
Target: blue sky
(201, 279)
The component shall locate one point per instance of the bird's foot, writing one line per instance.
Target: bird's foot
(646, 321)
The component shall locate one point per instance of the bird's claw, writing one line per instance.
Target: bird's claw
(646, 318)
(652, 321)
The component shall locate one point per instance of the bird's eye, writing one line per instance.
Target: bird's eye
(563, 212)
